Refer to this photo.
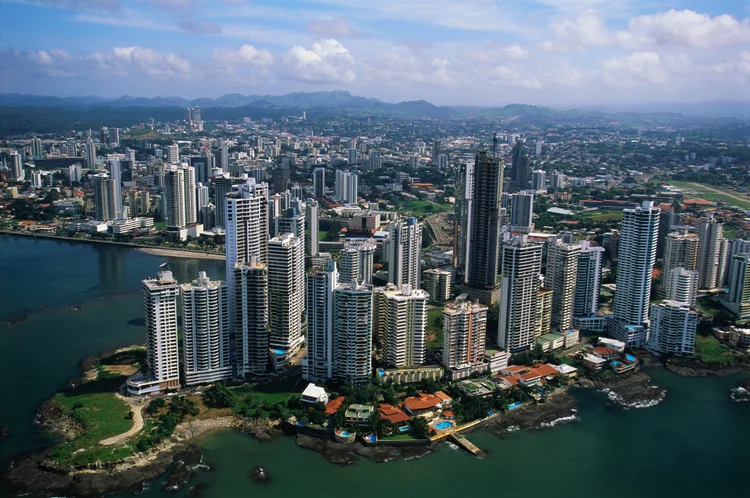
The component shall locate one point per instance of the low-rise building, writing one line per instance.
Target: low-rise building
(566, 370)
(596, 323)
(314, 394)
(571, 337)
(423, 403)
(618, 346)
(550, 342)
(389, 412)
(496, 359)
(593, 362)
(409, 375)
(359, 414)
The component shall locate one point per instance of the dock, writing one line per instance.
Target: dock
(467, 445)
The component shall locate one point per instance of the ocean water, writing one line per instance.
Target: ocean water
(696, 443)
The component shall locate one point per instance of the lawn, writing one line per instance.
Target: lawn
(435, 328)
(322, 234)
(102, 415)
(709, 350)
(708, 306)
(417, 207)
(160, 225)
(404, 436)
(603, 215)
(710, 195)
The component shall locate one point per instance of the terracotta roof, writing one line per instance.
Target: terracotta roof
(423, 402)
(390, 412)
(334, 405)
(510, 379)
(604, 351)
(515, 368)
(444, 397)
(544, 370)
(448, 413)
(530, 376)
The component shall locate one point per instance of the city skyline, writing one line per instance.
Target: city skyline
(591, 53)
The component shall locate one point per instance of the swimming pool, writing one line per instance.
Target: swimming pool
(513, 406)
(344, 434)
(441, 426)
(404, 428)
(630, 357)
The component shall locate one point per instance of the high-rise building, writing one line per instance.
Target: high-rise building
(202, 166)
(202, 195)
(709, 254)
(464, 335)
(114, 136)
(75, 172)
(346, 187)
(352, 334)
(250, 317)
(672, 330)
(224, 155)
(519, 292)
(522, 212)
(205, 331)
(247, 223)
(462, 226)
(738, 300)
(640, 227)
(437, 150)
(539, 144)
(557, 180)
(318, 364)
(543, 323)
(405, 247)
(437, 283)
(666, 222)
(286, 295)
(680, 250)
(104, 197)
(90, 154)
(222, 187)
(319, 183)
(588, 280)
(115, 172)
(162, 365)
(311, 223)
(562, 270)
(400, 323)
(180, 190)
(37, 151)
(173, 154)
(520, 166)
(682, 285)
(292, 220)
(351, 156)
(736, 247)
(356, 261)
(484, 224)
(538, 180)
(16, 167)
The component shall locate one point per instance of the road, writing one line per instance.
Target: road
(137, 407)
(724, 193)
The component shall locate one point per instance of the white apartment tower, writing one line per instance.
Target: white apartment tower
(180, 188)
(521, 265)
(562, 270)
(405, 258)
(250, 320)
(637, 255)
(680, 250)
(318, 364)
(104, 197)
(286, 294)
(588, 280)
(464, 334)
(247, 224)
(709, 254)
(738, 300)
(162, 366)
(346, 187)
(352, 333)
(311, 222)
(521, 212)
(173, 154)
(672, 330)
(400, 323)
(357, 260)
(538, 180)
(682, 285)
(205, 331)
(437, 283)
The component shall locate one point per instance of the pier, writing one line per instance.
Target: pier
(467, 445)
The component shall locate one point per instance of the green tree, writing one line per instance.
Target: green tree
(218, 396)
(419, 427)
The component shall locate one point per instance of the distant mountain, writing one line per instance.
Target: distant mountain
(710, 109)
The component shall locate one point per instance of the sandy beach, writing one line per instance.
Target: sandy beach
(176, 253)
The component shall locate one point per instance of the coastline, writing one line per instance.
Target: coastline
(152, 250)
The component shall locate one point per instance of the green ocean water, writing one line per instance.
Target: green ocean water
(696, 443)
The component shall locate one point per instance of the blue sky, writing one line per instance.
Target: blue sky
(474, 52)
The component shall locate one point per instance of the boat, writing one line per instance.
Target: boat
(164, 264)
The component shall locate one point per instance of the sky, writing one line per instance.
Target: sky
(467, 52)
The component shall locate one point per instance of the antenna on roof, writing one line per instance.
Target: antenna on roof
(494, 144)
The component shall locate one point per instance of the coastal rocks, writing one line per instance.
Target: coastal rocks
(697, 368)
(185, 464)
(51, 417)
(632, 390)
(414, 452)
(260, 428)
(741, 394)
(337, 453)
(558, 409)
(377, 454)
(259, 475)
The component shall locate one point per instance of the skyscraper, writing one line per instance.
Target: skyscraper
(311, 224)
(346, 187)
(519, 292)
(672, 330)
(400, 322)
(437, 150)
(522, 212)
(202, 195)
(462, 226)
(538, 180)
(588, 280)
(16, 167)
(115, 172)
(162, 365)
(37, 151)
(247, 224)
(356, 261)
(180, 190)
(667, 219)
(557, 180)
(484, 228)
(637, 255)
(104, 197)
(352, 334)
(437, 283)
(222, 187)
(562, 270)
(202, 166)
(90, 154)
(205, 331)
(736, 247)
(405, 247)
(286, 295)
(319, 183)
(738, 300)
(682, 285)
(173, 154)
(520, 166)
(318, 364)
(709, 252)
(464, 336)
(680, 250)
(249, 292)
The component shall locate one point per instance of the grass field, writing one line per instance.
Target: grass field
(705, 193)
(103, 416)
(710, 350)
(435, 328)
(422, 208)
(708, 306)
(603, 215)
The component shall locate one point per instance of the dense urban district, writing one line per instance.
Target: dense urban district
(391, 282)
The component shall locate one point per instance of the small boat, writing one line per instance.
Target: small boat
(164, 264)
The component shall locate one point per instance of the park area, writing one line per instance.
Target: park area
(602, 215)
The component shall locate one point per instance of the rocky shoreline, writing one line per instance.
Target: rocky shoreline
(696, 368)
(630, 390)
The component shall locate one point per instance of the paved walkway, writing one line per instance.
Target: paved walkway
(137, 408)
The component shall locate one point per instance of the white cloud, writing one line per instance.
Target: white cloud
(638, 68)
(331, 27)
(328, 61)
(684, 28)
(246, 55)
(585, 31)
(123, 60)
(510, 77)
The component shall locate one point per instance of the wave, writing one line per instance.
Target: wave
(739, 395)
(561, 420)
(645, 403)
